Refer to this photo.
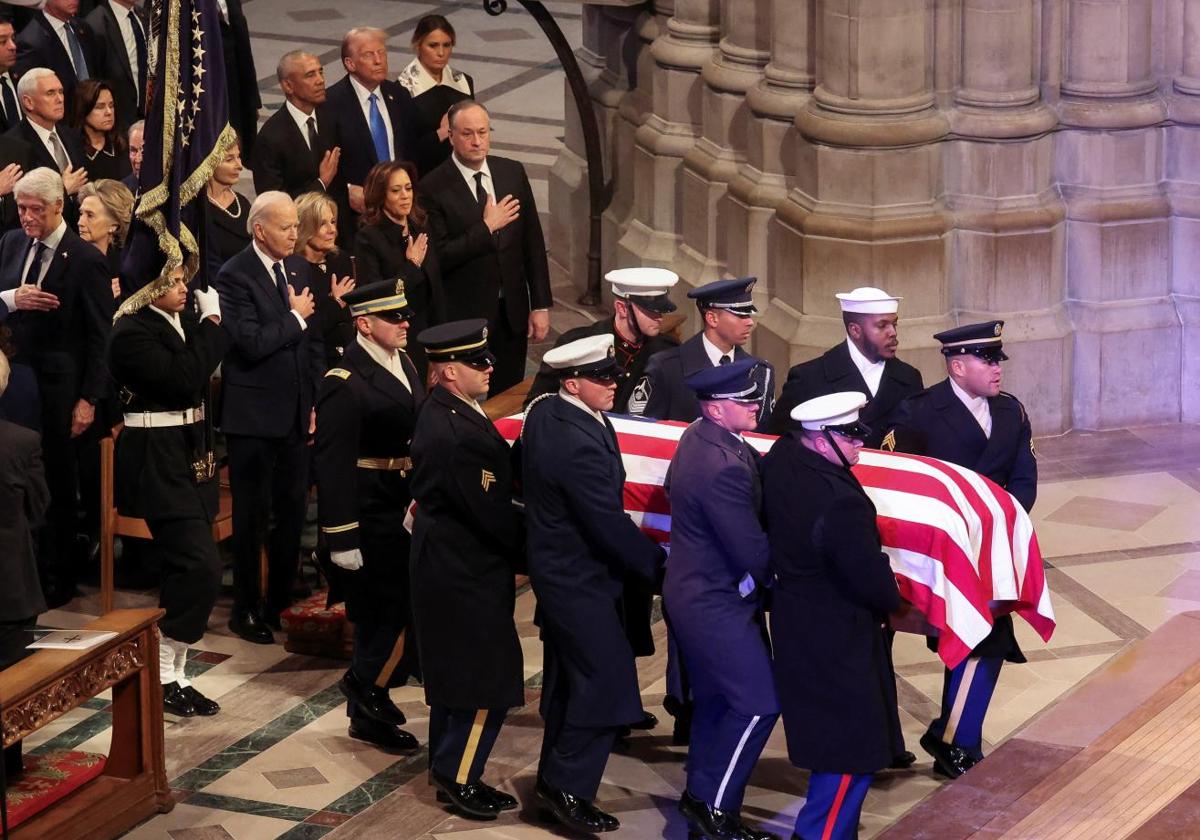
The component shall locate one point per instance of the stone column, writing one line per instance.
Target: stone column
(1183, 179)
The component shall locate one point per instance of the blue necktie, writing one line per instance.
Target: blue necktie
(379, 131)
(81, 68)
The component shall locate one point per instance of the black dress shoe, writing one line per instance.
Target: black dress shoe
(903, 760)
(948, 760)
(648, 721)
(503, 801)
(176, 700)
(371, 700)
(202, 704)
(471, 799)
(708, 822)
(383, 735)
(573, 812)
(248, 625)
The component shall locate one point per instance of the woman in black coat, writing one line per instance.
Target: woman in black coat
(94, 116)
(434, 87)
(226, 214)
(332, 274)
(393, 243)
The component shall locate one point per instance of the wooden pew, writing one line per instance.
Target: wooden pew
(48, 684)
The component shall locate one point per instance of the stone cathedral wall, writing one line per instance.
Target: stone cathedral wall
(1032, 160)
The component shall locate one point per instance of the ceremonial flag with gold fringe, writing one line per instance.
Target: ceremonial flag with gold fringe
(187, 133)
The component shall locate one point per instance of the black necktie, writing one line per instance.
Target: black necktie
(725, 360)
(35, 268)
(313, 143)
(480, 193)
(139, 40)
(11, 110)
(281, 284)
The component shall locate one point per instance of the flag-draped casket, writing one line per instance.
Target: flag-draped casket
(961, 547)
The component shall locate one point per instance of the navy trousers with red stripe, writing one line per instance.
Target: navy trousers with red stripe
(833, 806)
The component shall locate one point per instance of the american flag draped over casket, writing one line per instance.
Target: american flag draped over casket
(962, 548)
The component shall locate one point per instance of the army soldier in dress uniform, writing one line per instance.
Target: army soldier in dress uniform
(967, 420)
(162, 355)
(714, 585)
(582, 545)
(467, 543)
(866, 361)
(366, 412)
(834, 590)
(641, 297)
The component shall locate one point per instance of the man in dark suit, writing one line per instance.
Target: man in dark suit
(240, 76)
(581, 546)
(51, 142)
(23, 502)
(10, 108)
(967, 420)
(58, 40)
(163, 356)
(268, 383)
(137, 148)
(374, 114)
(727, 313)
(366, 411)
(489, 242)
(297, 148)
(834, 589)
(866, 361)
(58, 290)
(714, 590)
(119, 31)
(468, 541)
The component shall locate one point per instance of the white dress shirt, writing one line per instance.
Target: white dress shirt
(301, 120)
(44, 135)
(872, 372)
(469, 176)
(269, 265)
(51, 242)
(978, 406)
(581, 405)
(389, 361)
(172, 319)
(714, 352)
(364, 100)
(126, 25)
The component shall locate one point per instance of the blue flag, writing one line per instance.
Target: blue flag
(187, 134)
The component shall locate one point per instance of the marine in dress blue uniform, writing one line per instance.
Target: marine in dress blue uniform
(834, 589)
(582, 545)
(714, 587)
(366, 412)
(468, 540)
(966, 419)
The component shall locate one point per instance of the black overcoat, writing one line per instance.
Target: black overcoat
(467, 538)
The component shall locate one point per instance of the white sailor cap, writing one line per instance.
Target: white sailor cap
(648, 287)
(593, 356)
(867, 300)
(836, 412)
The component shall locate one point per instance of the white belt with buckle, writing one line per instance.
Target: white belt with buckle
(164, 419)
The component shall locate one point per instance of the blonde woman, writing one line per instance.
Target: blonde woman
(333, 270)
(105, 210)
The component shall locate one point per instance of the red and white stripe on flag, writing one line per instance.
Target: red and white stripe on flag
(962, 548)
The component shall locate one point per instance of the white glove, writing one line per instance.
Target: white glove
(208, 303)
(349, 560)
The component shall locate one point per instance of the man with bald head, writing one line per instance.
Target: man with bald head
(268, 384)
(374, 114)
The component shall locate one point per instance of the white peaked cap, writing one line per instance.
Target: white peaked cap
(642, 282)
(837, 409)
(581, 353)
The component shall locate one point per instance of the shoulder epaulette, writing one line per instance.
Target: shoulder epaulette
(1020, 405)
(340, 373)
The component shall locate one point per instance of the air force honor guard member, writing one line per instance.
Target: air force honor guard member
(161, 355)
(366, 412)
(713, 592)
(581, 546)
(727, 318)
(866, 361)
(834, 590)
(641, 297)
(967, 420)
(467, 543)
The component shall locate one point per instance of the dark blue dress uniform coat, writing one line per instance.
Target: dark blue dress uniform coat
(833, 592)
(581, 546)
(716, 539)
(834, 372)
(363, 411)
(467, 540)
(935, 422)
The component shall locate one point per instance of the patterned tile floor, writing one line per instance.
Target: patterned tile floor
(1118, 518)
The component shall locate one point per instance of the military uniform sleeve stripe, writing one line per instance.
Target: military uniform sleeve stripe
(338, 529)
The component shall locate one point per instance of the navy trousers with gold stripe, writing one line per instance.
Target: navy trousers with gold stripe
(833, 806)
(966, 694)
(460, 741)
(380, 655)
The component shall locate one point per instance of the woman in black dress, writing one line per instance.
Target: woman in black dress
(333, 270)
(226, 230)
(94, 116)
(105, 209)
(393, 243)
(434, 87)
